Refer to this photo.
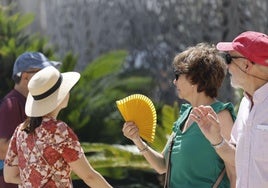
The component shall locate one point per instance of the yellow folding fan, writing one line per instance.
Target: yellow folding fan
(139, 109)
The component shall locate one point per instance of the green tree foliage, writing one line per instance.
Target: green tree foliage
(111, 159)
(92, 109)
(168, 116)
(14, 40)
(68, 62)
(118, 161)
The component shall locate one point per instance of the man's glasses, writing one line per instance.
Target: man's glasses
(228, 58)
(32, 71)
(29, 71)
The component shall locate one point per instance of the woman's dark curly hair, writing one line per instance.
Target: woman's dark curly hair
(204, 66)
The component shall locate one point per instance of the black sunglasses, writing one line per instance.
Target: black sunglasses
(177, 74)
(228, 58)
(32, 71)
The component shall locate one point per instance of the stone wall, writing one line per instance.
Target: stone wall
(151, 30)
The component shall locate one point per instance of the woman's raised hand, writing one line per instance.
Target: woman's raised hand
(208, 122)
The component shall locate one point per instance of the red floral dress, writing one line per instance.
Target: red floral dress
(43, 157)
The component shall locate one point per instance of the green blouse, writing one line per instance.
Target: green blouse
(194, 162)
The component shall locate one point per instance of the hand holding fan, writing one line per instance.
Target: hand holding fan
(139, 109)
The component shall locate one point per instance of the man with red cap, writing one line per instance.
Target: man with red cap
(247, 60)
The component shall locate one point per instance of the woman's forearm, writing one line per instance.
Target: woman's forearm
(227, 152)
(155, 159)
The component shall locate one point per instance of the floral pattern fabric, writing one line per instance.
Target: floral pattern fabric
(43, 157)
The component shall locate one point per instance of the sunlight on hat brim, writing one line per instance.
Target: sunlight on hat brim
(225, 46)
(37, 108)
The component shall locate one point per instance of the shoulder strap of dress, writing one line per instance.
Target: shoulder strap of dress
(219, 179)
(167, 176)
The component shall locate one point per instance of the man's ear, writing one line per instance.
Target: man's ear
(248, 66)
(25, 76)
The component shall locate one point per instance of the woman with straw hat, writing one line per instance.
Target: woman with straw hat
(43, 150)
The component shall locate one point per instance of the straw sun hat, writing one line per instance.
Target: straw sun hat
(47, 89)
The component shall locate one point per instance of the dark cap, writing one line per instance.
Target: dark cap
(32, 60)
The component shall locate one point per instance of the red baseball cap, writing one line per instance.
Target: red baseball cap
(253, 45)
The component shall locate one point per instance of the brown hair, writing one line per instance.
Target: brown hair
(203, 65)
(31, 123)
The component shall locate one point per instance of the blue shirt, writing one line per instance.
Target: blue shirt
(1, 164)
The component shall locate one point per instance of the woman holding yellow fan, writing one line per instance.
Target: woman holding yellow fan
(189, 160)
